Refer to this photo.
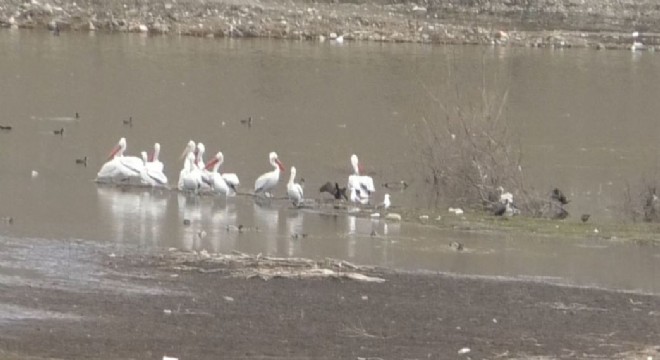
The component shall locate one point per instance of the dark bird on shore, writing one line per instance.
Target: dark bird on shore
(334, 190)
(128, 122)
(557, 195)
(585, 217)
(247, 121)
(82, 161)
(397, 185)
(5, 127)
(59, 132)
(499, 208)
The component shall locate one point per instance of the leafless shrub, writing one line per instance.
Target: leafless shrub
(468, 150)
(640, 202)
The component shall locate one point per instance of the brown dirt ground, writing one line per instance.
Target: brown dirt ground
(410, 316)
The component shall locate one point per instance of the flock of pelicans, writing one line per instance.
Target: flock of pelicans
(197, 175)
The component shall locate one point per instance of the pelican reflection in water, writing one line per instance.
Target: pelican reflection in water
(136, 215)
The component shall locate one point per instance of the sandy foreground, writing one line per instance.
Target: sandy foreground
(239, 306)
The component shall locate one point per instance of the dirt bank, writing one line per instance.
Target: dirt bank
(208, 309)
(549, 23)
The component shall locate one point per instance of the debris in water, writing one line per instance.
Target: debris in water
(365, 297)
(35, 173)
(393, 216)
(457, 211)
(112, 255)
(375, 215)
(167, 311)
(228, 298)
(596, 231)
(423, 217)
(464, 350)
(169, 358)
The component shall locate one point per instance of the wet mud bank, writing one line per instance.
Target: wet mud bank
(207, 309)
(563, 23)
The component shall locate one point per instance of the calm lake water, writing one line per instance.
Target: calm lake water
(587, 121)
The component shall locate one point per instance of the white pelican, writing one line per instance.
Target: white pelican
(218, 183)
(230, 178)
(268, 181)
(191, 176)
(120, 167)
(190, 148)
(150, 175)
(363, 183)
(154, 163)
(206, 183)
(294, 190)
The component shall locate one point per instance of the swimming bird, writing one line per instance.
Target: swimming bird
(401, 185)
(268, 181)
(82, 161)
(294, 190)
(247, 121)
(585, 217)
(334, 190)
(128, 122)
(77, 115)
(5, 127)
(59, 132)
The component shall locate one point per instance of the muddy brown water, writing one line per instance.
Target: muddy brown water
(587, 123)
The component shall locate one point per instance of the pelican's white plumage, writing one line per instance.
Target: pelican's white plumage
(268, 181)
(293, 189)
(218, 182)
(362, 183)
(120, 168)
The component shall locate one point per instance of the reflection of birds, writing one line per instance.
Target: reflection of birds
(59, 132)
(334, 190)
(557, 195)
(585, 217)
(82, 161)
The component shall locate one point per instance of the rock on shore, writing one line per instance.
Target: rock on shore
(546, 23)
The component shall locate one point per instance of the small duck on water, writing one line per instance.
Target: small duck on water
(82, 161)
